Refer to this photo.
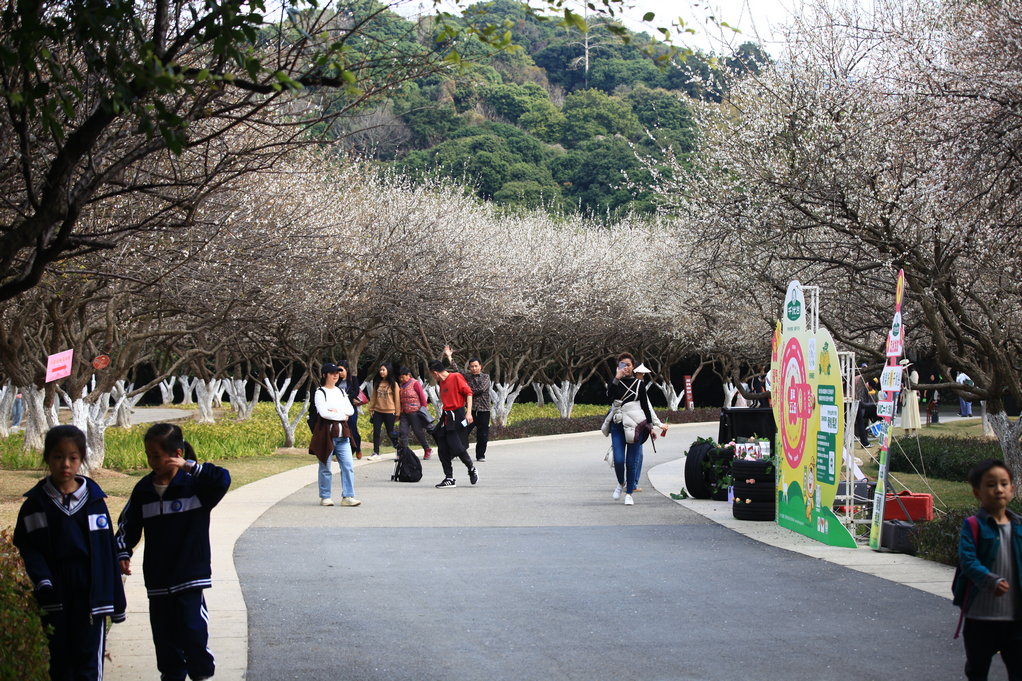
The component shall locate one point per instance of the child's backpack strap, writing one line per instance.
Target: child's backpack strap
(973, 523)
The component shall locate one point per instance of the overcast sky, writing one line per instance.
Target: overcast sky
(756, 19)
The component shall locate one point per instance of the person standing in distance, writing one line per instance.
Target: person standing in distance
(480, 384)
(331, 438)
(964, 401)
(455, 415)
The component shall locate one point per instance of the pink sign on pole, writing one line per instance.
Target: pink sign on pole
(59, 365)
(689, 400)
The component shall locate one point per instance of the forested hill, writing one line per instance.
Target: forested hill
(550, 122)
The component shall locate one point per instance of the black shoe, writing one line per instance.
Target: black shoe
(473, 475)
(446, 482)
(480, 458)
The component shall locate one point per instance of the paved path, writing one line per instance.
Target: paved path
(536, 573)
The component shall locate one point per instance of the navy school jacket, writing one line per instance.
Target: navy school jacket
(43, 521)
(177, 555)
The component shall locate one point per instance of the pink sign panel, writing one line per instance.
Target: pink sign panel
(59, 365)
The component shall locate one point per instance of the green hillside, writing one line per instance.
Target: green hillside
(555, 120)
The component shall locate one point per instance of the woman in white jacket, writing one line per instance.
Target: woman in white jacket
(629, 407)
(331, 435)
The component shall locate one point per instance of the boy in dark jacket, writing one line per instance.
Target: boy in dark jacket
(172, 505)
(990, 556)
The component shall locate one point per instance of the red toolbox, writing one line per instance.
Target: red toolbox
(919, 506)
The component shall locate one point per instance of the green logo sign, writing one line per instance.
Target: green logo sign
(794, 310)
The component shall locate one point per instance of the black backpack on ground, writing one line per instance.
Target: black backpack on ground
(407, 468)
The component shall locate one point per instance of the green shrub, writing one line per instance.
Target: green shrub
(937, 539)
(24, 655)
(948, 458)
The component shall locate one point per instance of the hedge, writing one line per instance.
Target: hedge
(947, 458)
(937, 539)
(24, 655)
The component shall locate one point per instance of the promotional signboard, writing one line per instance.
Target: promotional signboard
(890, 385)
(808, 403)
(59, 365)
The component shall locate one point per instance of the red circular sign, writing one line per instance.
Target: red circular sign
(101, 362)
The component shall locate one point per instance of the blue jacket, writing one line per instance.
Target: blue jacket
(177, 555)
(976, 558)
(43, 523)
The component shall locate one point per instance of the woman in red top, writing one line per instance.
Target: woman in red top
(413, 398)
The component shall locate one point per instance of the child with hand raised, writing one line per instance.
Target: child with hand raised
(172, 506)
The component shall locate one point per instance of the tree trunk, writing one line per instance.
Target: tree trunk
(167, 389)
(432, 394)
(35, 418)
(205, 392)
(538, 388)
(7, 394)
(988, 428)
(1008, 434)
(219, 387)
(95, 431)
(504, 396)
(673, 397)
(187, 387)
(283, 409)
(729, 393)
(563, 396)
(124, 406)
(237, 389)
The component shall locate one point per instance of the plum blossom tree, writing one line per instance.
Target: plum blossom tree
(881, 140)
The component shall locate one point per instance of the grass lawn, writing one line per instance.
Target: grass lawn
(947, 494)
(118, 486)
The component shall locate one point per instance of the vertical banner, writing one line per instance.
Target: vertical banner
(807, 400)
(690, 403)
(890, 386)
(59, 365)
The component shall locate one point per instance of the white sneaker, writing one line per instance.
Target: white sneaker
(617, 493)
(349, 501)
(628, 500)
(374, 456)
(326, 501)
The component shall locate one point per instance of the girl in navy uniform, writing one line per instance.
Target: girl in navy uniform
(172, 505)
(66, 539)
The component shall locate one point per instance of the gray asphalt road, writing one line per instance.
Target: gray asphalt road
(535, 573)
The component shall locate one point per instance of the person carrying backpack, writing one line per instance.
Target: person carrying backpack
(331, 437)
(987, 585)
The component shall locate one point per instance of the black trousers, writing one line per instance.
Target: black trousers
(864, 418)
(353, 426)
(481, 424)
(76, 644)
(412, 423)
(450, 439)
(983, 640)
(380, 419)
(181, 636)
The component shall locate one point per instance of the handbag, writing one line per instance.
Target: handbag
(362, 399)
(427, 418)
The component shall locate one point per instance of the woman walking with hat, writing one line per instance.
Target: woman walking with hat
(630, 421)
